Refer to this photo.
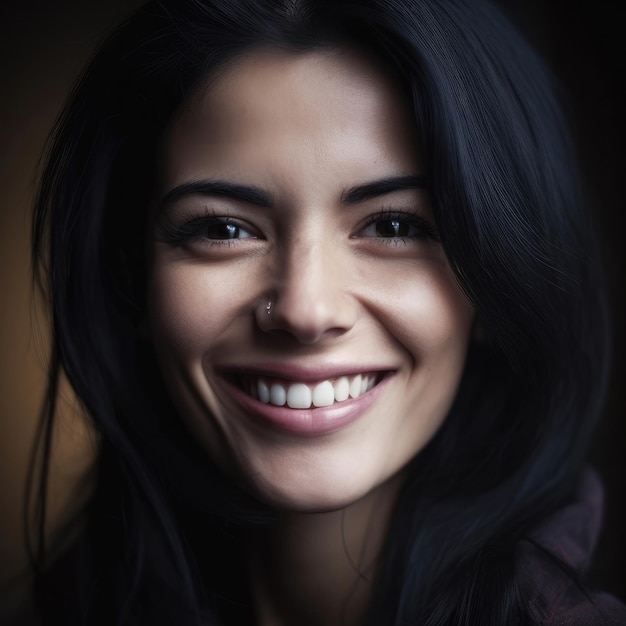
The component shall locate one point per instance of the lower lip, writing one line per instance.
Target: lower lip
(314, 421)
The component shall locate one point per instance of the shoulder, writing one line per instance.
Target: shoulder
(599, 609)
(553, 561)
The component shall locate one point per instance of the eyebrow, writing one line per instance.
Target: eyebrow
(220, 189)
(376, 188)
(260, 197)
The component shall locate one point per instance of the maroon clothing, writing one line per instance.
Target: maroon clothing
(570, 534)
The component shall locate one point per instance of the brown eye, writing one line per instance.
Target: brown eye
(393, 228)
(212, 229)
(398, 226)
(224, 231)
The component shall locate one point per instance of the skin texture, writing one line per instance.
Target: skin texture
(305, 127)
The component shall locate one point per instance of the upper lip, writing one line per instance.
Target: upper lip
(298, 372)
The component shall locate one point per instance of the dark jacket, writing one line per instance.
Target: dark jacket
(571, 534)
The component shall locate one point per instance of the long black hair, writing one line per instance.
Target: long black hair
(506, 201)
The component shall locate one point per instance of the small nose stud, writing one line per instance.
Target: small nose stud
(268, 307)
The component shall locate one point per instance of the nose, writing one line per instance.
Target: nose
(310, 298)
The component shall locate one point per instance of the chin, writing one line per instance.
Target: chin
(313, 502)
(314, 491)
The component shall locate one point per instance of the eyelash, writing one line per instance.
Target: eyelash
(424, 229)
(182, 234)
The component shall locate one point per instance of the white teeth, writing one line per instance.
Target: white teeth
(263, 391)
(301, 396)
(342, 389)
(324, 394)
(355, 386)
(364, 382)
(298, 396)
(278, 395)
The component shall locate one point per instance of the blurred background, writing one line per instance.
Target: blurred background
(43, 46)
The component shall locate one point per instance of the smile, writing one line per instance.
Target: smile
(298, 395)
(302, 401)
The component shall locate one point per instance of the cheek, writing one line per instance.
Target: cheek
(191, 306)
(444, 315)
(432, 323)
(425, 310)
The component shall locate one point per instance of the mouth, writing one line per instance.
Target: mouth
(300, 395)
(304, 402)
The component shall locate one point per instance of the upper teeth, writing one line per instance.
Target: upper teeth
(302, 396)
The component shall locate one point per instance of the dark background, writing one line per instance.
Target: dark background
(43, 45)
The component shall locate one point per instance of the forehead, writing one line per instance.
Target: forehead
(274, 112)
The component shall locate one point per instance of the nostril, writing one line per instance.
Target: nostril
(305, 320)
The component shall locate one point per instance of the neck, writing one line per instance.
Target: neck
(320, 568)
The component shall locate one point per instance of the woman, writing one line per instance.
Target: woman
(320, 276)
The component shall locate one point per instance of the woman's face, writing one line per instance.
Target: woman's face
(304, 315)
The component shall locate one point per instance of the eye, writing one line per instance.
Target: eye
(223, 230)
(390, 228)
(206, 229)
(399, 226)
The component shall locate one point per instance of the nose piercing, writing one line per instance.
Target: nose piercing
(268, 308)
